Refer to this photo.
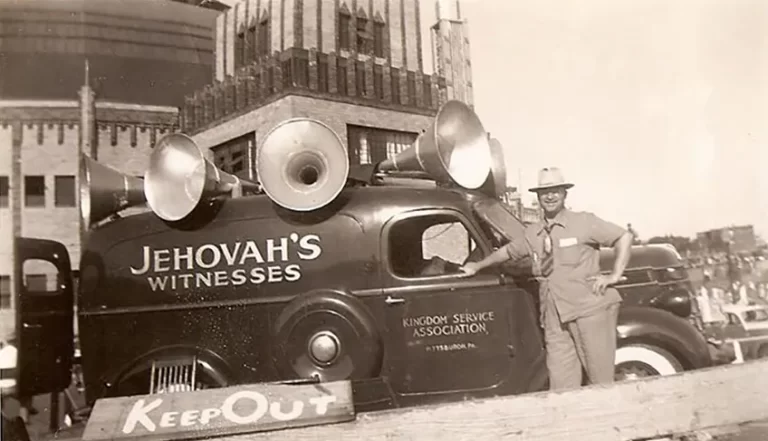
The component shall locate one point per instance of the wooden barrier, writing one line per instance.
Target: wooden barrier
(633, 410)
(736, 342)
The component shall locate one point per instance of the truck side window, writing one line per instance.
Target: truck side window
(428, 246)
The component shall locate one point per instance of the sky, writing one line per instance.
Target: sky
(656, 110)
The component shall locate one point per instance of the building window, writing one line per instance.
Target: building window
(378, 82)
(64, 189)
(34, 191)
(301, 72)
(364, 43)
(344, 20)
(427, 91)
(5, 292)
(287, 73)
(341, 75)
(233, 156)
(264, 37)
(322, 75)
(378, 39)
(395, 85)
(368, 145)
(239, 50)
(250, 45)
(4, 189)
(360, 77)
(411, 87)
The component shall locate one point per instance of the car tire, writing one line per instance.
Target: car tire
(643, 360)
(762, 351)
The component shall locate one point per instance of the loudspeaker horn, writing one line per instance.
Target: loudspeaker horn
(496, 183)
(105, 191)
(302, 164)
(454, 148)
(179, 178)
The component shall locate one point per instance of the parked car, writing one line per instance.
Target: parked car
(656, 277)
(748, 321)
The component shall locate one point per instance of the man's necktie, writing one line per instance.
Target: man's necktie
(547, 262)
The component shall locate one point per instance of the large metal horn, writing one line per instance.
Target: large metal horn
(105, 191)
(179, 178)
(496, 184)
(455, 147)
(302, 164)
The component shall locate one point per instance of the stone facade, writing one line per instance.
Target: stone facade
(40, 138)
(337, 115)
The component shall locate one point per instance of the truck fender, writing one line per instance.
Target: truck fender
(675, 336)
(336, 323)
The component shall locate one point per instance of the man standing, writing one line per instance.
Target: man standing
(579, 309)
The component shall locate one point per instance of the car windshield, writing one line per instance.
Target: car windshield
(502, 226)
(756, 315)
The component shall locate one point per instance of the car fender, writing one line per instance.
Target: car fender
(639, 324)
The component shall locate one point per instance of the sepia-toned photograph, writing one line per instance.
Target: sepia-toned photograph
(432, 220)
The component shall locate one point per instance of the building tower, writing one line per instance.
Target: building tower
(355, 65)
(450, 47)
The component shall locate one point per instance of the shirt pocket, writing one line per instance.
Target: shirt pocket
(571, 255)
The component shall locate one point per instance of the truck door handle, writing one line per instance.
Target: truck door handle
(393, 300)
(28, 326)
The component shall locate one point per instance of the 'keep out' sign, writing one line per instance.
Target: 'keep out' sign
(225, 411)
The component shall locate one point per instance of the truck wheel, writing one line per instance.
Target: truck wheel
(328, 335)
(641, 360)
(762, 351)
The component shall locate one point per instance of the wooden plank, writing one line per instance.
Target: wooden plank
(225, 411)
(651, 408)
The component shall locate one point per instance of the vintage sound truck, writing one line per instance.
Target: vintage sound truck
(320, 272)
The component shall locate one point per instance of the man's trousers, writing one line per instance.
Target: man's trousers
(588, 342)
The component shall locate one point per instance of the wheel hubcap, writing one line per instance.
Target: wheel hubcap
(324, 347)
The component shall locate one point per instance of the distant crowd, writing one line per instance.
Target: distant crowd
(730, 280)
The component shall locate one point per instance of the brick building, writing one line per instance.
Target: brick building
(354, 65)
(143, 56)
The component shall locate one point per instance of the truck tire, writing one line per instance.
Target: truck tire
(328, 335)
(635, 361)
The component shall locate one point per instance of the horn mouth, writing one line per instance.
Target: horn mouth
(176, 163)
(302, 164)
(465, 152)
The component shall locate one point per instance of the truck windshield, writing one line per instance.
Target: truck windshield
(499, 220)
(502, 226)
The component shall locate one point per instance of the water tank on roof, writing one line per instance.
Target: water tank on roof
(146, 52)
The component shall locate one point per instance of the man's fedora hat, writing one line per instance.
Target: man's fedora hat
(551, 177)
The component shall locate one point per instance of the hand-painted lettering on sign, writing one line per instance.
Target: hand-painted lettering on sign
(465, 323)
(223, 264)
(244, 407)
(219, 411)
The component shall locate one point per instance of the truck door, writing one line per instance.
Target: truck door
(446, 332)
(44, 316)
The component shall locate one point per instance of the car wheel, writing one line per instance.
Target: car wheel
(639, 361)
(329, 335)
(762, 352)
